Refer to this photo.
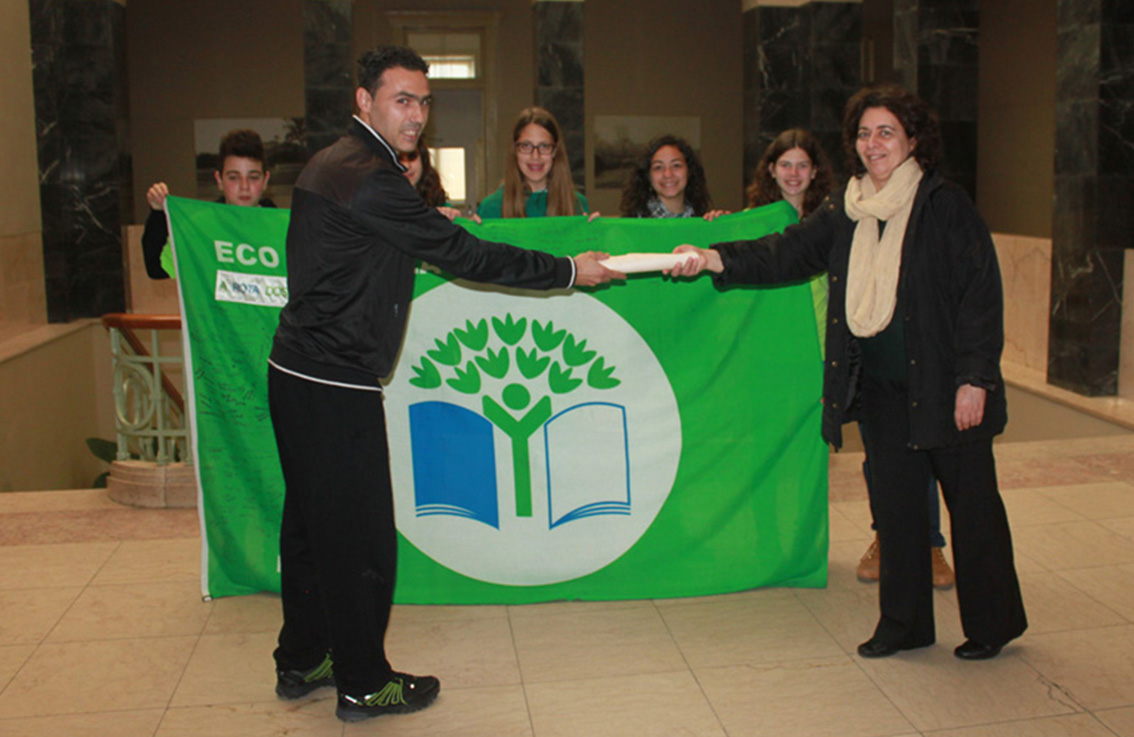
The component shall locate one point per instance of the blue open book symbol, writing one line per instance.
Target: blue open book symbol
(454, 466)
(454, 463)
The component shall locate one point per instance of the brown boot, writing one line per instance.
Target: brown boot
(942, 574)
(869, 563)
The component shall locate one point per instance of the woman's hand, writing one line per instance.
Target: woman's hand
(714, 214)
(589, 272)
(591, 217)
(450, 212)
(703, 258)
(969, 409)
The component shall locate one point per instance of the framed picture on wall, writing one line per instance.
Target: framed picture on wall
(284, 146)
(621, 139)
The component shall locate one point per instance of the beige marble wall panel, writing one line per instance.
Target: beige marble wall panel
(146, 296)
(19, 186)
(1025, 266)
(23, 301)
(56, 391)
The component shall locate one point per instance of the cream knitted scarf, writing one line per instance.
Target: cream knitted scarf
(872, 275)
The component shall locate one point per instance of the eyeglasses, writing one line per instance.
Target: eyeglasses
(527, 147)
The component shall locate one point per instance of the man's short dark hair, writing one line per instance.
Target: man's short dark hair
(375, 62)
(243, 143)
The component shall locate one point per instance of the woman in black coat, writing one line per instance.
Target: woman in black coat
(914, 336)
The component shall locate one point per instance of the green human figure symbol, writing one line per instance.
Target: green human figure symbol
(520, 431)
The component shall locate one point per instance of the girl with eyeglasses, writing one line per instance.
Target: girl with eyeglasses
(537, 177)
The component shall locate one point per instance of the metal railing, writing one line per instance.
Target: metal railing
(149, 416)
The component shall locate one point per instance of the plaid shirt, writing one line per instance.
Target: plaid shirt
(658, 210)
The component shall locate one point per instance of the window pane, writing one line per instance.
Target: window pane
(450, 164)
(451, 67)
(450, 55)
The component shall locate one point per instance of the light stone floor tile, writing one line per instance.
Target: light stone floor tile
(1033, 507)
(1067, 545)
(463, 654)
(1113, 586)
(143, 561)
(39, 566)
(858, 512)
(113, 724)
(595, 668)
(842, 562)
(557, 608)
(935, 690)
(849, 616)
(71, 500)
(1095, 667)
(135, 610)
(1055, 470)
(1095, 501)
(1123, 526)
(107, 675)
(594, 644)
(689, 600)
(1053, 605)
(12, 658)
(245, 615)
(783, 699)
(652, 705)
(1072, 725)
(313, 717)
(1026, 564)
(843, 528)
(1120, 721)
(414, 613)
(499, 711)
(27, 615)
(230, 669)
(764, 627)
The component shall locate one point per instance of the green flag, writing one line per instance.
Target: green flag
(645, 439)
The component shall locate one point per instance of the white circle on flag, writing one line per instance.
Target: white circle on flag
(601, 459)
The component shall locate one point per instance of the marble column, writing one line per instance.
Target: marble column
(936, 56)
(801, 63)
(82, 112)
(1094, 189)
(328, 71)
(559, 76)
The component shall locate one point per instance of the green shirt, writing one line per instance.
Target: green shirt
(492, 206)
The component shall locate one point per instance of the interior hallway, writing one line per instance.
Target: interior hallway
(102, 632)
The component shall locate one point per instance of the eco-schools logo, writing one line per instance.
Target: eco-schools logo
(532, 440)
(251, 289)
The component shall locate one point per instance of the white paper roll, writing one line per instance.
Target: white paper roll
(636, 263)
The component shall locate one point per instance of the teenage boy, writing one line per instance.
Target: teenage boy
(241, 178)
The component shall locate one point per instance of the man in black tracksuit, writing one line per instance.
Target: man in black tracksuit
(356, 228)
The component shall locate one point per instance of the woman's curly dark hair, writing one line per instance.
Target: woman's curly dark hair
(914, 113)
(638, 190)
(429, 185)
(765, 191)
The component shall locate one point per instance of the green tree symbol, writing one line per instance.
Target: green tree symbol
(465, 360)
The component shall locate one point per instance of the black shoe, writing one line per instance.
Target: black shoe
(402, 694)
(973, 650)
(294, 684)
(874, 648)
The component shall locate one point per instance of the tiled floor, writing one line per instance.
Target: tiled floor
(102, 632)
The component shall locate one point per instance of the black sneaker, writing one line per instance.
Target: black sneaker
(294, 684)
(402, 694)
